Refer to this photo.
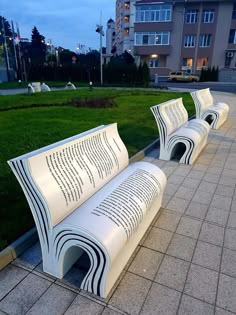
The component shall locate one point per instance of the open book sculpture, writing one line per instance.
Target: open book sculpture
(215, 113)
(179, 137)
(85, 197)
(45, 87)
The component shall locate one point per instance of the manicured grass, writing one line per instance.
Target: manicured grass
(16, 85)
(23, 130)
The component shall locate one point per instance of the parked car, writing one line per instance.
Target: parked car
(182, 76)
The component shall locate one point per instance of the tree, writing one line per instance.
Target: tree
(6, 35)
(37, 47)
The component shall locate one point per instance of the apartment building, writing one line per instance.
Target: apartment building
(125, 18)
(180, 34)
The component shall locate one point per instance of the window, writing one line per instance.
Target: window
(126, 19)
(191, 16)
(208, 16)
(189, 40)
(205, 40)
(202, 63)
(153, 62)
(153, 13)
(126, 32)
(152, 38)
(188, 62)
(232, 37)
(127, 5)
(234, 12)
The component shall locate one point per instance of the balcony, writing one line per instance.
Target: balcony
(155, 49)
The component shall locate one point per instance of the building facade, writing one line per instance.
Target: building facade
(181, 34)
(125, 18)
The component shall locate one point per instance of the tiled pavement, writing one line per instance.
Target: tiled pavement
(186, 263)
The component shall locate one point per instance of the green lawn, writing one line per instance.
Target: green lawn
(16, 85)
(23, 130)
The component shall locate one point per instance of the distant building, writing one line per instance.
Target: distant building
(110, 36)
(180, 34)
(125, 14)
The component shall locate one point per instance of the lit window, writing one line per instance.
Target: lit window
(191, 16)
(205, 40)
(126, 19)
(208, 16)
(127, 6)
(126, 31)
(188, 62)
(189, 41)
(202, 63)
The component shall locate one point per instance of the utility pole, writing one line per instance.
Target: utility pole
(101, 32)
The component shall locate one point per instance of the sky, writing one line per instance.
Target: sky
(66, 23)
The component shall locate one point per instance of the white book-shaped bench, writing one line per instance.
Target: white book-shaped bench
(214, 113)
(70, 86)
(179, 137)
(45, 87)
(85, 197)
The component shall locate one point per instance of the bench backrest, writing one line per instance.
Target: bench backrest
(202, 100)
(169, 116)
(67, 173)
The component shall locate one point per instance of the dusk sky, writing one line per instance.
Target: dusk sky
(66, 23)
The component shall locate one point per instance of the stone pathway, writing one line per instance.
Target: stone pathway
(185, 264)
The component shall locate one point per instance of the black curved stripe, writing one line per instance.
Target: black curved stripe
(34, 193)
(176, 139)
(33, 200)
(96, 288)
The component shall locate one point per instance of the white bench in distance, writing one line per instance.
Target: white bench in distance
(45, 87)
(214, 113)
(70, 86)
(178, 136)
(36, 86)
(85, 197)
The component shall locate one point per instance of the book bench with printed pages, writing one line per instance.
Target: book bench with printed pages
(179, 138)
(215, 113)
(86, 198)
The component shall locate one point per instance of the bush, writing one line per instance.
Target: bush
(209, 74)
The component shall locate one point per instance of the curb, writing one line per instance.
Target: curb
(15, 249)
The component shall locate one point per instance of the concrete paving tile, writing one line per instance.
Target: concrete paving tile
(176, 179)
(233, 206)
(230, 172)
(221, 202)
(177, 204)
(158, 239)
(207, 187)
(226, 298)
(217, 216)
(10, 276)
(168, 220)
(73, 278)
(146, 263)
(191, 183)
(182, 247)
(220, 311)
(196, 174)
(230, 237)
(54, 301)
(158, 163)
(202, 197)
(207, 255)
(224, 190)
(130, 294)
(30, 258)
(182, 170)
(161, 300)
(201, 283)
(185, 193)
(39, 272)
(197, 210)
(227, 180)
(24, 295)
(228, 265)
(109, 311)
(211, 178)
(215, 170)
(171, 189)
(199, 167)
(189, 227)
(192, 306)
(165, 200)
(83, 306)
(172, 273)
(212, 234)
(232, 220)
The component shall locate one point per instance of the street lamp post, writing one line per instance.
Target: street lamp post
(101, 32)
(6, 51)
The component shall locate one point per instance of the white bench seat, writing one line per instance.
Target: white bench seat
(214, 113)
(86, 198)
(177, 134)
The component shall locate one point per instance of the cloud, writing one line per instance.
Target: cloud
(65, 23)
